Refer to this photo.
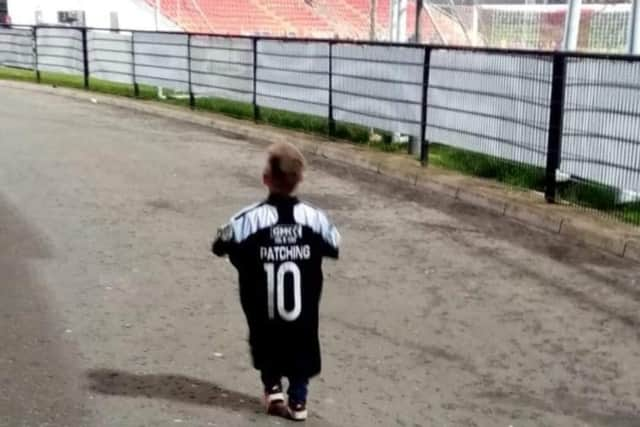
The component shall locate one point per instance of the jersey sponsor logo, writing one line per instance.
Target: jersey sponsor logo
(285, 253)
(286, 234)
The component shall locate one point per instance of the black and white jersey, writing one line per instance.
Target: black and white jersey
(277, 246)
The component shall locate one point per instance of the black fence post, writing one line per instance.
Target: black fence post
(256, 109)
(35, 53)
(424, 144)
(554, 146)
(85, 54)
(192, 98)
(136, 88)
(419, 6)
(332, 122)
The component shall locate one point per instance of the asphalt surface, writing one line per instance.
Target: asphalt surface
(115, 314)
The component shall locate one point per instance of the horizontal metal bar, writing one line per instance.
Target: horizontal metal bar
(376, 79)
(29, 45)
(590, 161)
(109, 61)
(285, 98)
(161, 67)
(53, 55)
(64, 38)
(290, 84)
(99, 49)
(16, 52)
(138, 76)
(491, 116)
(227, 49)
(17, 64)
(522, 146)
(197, 85)
(290, 55)
(230, 76)
(264, 67)
(495, 73)
(215, 61)
(379, 61)
(63, 67)
(615, 85)
(491, 95)
(158, 43)
(589, 109)
(102, 70)
(100, 39)
(600, 135)
(376, 97)
(161, 55)
(55, 46)
(26, 33)
(375, 115)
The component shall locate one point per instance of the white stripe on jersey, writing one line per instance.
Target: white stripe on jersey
(316, 220)
(252, 220)
(260, 216)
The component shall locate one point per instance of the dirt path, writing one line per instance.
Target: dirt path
(115, 314)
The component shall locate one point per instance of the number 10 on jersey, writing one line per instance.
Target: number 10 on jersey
(276, 289)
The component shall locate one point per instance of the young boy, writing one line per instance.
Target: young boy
(277, 246)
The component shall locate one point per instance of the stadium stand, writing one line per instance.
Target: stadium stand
(345, 19)
(603, 27)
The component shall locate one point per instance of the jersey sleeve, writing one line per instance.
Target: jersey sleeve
(224, 243)
(330, 240)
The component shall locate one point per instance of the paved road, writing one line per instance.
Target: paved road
(114, 313)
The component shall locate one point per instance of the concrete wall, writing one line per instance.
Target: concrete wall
(132, 14)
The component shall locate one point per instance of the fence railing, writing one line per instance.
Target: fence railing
(572, 117)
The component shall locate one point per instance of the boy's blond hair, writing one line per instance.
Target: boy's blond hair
(285, 165)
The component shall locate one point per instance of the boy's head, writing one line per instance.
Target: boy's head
(283, 171)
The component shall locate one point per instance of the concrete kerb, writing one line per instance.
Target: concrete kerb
(489, 203)
(534, 217)
(602, 241)
(364, 159)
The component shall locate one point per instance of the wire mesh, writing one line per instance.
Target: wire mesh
(603, 26)
(222, 67)
(606, 29)
(378, 86)
(293, 76)
(600, 143)
(493, 104)
(162, 60)
(111, 56)
(60, 50)
(16, 48)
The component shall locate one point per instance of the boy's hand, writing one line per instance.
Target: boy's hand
(224, 240)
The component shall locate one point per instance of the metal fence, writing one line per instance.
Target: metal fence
(574, 118)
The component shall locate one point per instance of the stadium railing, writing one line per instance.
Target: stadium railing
(564, 123)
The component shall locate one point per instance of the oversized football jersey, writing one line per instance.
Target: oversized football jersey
(277, 246)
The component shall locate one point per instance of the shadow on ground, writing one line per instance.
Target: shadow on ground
(179, 388)
(170, 387)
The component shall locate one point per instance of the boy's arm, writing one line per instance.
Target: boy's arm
(224, 243)
(331, 242)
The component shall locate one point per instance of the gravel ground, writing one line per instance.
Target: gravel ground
(115, 314)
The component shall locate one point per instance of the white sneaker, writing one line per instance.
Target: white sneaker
(274, 402)
(297, 411)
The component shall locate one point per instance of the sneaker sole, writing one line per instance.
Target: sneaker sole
(298, 415)
(271, 400)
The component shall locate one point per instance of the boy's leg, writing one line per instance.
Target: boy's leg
(298, 390)
(273, 397)
(272, 382)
